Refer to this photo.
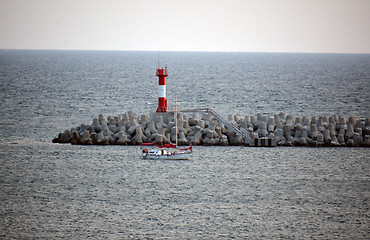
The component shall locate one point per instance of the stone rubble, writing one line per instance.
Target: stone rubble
(130, 129)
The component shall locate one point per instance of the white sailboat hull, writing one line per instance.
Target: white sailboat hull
(178, 156)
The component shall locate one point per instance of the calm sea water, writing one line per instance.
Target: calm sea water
(52, 191)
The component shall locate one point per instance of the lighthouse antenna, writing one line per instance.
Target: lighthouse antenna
(159, 54)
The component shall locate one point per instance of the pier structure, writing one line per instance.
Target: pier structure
(212, 129)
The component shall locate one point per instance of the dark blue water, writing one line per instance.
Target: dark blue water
(51, 191)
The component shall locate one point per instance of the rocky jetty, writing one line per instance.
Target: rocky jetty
(285, 130)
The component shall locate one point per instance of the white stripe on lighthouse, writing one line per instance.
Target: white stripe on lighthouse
(162, 91)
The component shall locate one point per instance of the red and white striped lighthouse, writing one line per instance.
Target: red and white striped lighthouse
(162, 101)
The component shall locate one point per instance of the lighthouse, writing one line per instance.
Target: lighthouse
(162, 73)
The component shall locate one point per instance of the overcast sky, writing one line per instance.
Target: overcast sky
(337, 26)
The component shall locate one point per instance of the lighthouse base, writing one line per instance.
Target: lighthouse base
(162, 109)
(162, 103)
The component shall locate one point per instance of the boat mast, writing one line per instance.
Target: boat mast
(176, 120)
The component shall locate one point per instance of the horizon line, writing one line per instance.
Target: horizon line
(185, 51)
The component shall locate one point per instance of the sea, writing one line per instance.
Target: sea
(63, 191)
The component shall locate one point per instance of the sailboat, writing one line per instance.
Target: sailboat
(167, 151)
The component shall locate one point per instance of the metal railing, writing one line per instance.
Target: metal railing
(230, 125)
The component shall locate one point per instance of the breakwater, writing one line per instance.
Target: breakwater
(209, 128)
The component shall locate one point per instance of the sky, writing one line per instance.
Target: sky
(320, 26)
